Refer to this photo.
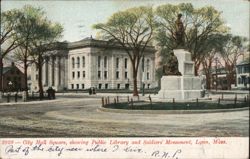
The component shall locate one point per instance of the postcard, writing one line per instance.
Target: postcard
(124, 79)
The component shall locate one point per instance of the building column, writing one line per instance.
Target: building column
(56, 71)
(49, 71)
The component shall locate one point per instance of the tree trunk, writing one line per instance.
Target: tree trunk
(196, 68)
(26, 77)
(208, 81)
(135, 91)
(40, 84)
(1, 73)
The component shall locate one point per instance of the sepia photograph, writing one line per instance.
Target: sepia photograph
(103, 77)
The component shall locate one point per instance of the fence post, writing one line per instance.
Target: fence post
(16, 97)
(150, 99)
(197, 101)
(117, 97)
(245, 99)
(106, 101)
(222, 96)
(132, 102)
(235, 100)
(219, 101)
(173, 100)
(8, 97)
(128, 99)
(102, 102)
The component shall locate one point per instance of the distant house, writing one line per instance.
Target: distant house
(218, 78)
(13, 78)
(221, 81)
(242, 73)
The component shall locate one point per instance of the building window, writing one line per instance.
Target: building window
(147, 65)
(106, 86)
(72, 86)
(105, 74)
(148, 86)
(118, 86)
(83, 74)
(126, 63)
(99, 61)
(239, 80)
(82, 86)
(117, 74)
(78, 74)
(77, 86)
(105, 61)
(117, 62)
(126, 75)
(246, 69)
(100, 86)
(147, 75)
(73, 62)
(73, 75)
(99, 74)
(36, 76)
(78, 62)
(83, 61)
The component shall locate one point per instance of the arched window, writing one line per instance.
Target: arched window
(78, 62)
(83, 61)
(73, 62)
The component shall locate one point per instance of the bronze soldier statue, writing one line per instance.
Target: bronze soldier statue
(171, 66)
(179, 32)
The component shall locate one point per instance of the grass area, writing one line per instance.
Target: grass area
(176, 106)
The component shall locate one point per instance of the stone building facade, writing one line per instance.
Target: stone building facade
(93, 63)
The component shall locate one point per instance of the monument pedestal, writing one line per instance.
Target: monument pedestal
(182, 87)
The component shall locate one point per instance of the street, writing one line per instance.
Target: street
(80, 117)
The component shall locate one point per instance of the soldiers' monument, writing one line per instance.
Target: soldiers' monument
(178, 80)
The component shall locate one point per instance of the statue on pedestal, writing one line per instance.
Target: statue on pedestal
(179, 32)
(171, 66)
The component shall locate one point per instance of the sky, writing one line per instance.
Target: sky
(78, 17)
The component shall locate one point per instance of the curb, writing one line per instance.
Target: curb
(170, 111)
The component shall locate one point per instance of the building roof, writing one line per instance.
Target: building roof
(91, 42)
(6, 69)
(246, 62)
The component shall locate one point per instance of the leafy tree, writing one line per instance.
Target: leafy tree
(47, 33)
(212, 46)
(132, 29)
(234, 47)
(198, 24)
(10, 20)
(27, 33)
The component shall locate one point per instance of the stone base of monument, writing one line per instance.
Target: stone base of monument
(182, 87)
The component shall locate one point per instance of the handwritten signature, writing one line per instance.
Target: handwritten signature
(60, 150)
